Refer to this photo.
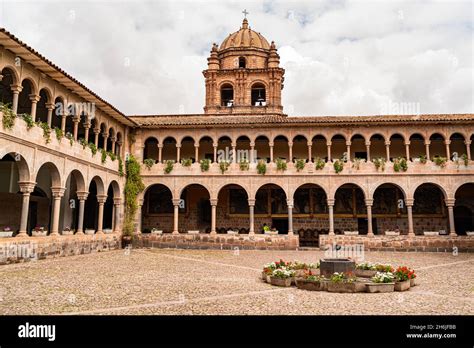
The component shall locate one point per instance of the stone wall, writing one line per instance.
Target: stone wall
(220, 242)
(402, 243)
(18, 249)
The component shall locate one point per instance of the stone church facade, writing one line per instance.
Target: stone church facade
(227, 173)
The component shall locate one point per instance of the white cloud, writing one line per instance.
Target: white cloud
(341, 58)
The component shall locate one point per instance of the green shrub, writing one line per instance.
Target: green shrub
(423, 159)
(319, 163)
(186, 162)
(93, 148)
(465, 159)
(281, 164)
(169, 165)
(120, 167)
(70, 138)
(379, 163)
(300, 164)
(400, 164)
(440, 161)
(46, 131)
(338, 166)
(59, 133)
(261, 167)
(83, 142)
(149, 162)
(133, 186)
(103, 156)
(244, 164)
(112, 156)
(223, 166)
(8, 119)
(28, 120)
(205, 164)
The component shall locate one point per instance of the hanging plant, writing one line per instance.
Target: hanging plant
(223, 166)
(93, 148)
(440, 161)
(261, 167)
(300, 164)
(120, 167)
(379, 163)
(186, 162)
(244, 164)
(103, 156)
(59, 133)
(281, 164)
(338, 166)
(28, 120)
(46, 131)
(133, 186)
(319, 163)
(112, 156)
(83, 142)
(423, 159)
(400, 164)
(149, 162)
(356, 163)
(8, 119)
(169, 165)
(70, 138)
(205, 164)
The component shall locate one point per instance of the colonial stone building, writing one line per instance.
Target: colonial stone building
(240, 166)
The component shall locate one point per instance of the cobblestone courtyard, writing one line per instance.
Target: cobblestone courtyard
(165, 281)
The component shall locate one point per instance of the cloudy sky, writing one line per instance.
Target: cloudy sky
(341, 57)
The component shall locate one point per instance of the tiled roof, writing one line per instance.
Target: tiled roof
(30, 55)
(196, 120)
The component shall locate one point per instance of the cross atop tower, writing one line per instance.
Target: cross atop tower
(245, 13)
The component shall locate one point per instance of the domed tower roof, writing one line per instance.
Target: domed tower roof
(245, 38)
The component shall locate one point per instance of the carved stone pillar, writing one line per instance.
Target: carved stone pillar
(387, 149)
(176, 216)
(289, 203)
(34, 102)
(368, 204)
(251, 216)
(81, 196)
(50, 108)
(450, 205)
(57, 193)
(213, 215)
(407, 150)
(409, 203)
(331, 216)
(101, 199)
(16, 89)
(328, 144)
(26, 188)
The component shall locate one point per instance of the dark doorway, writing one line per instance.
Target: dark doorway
(281, 225)
(463, 220)
(363, 225)
(32, 216)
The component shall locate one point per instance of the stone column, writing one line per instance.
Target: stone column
(176, 216)
(178, 153)
(104, 138)
(119, 148)
(328, 144)
(57, 193)
(16, 89)
(271, 151)
(427, 148)
(448, 153)
(368, 204)
(310, 152)
(50, 107)
(252, 152)
(215, 153)
(468, 149)
(289, 203)
(87, 126)
(113, 139)
(139, 217)
(348, 150)
(196, 152)
(25, 188)
(160, 153)
(81, 196)
(331, 216)
(96, 137)
(63, 121)
(387, 150)
(409, 203)
(251, 216)
(290, 152)
(34, 101)
(117, 206)
(407, 150)
(367, 147)
(100, 219)
(450, 205)
(213, 215)
(75, 120)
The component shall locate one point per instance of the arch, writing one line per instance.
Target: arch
(170, 150)
(181, 190)
(31, 81)
(224, 146)
(242, 62)
(187, 148)
(11, 70)
(231, 199)
(24, 101)
(397, 146)
(308, 205)
(206, 148)
(227, 94)
(300, 147)
(20, 161)
(9, 78)
(115, 188)
(437, 145)
(262, 148)
(388, 208)
(53, 173)
(358, 147)
(349, 204)
(97, 180)
(338, 146)
(457, 144)
(258, 94)
(157, 208)
(150, 150)
(281, 148)
(429, 208)
(377, 146)
(464, 208)
(196, 198)
(77, 176)
(242, 147)
(319, 148)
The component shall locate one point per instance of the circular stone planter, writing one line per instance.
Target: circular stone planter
(342, 287)
(285, 282)
(380, 287)
(311, 285)
(327, 267)
(402, 286)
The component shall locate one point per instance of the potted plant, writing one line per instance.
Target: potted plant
(186, 162)
(341, 282)
(244, 164)
(281, 164)
(356, 163)
(282, 277)
(39, 231)
(402, 279)
(224, 166)
(319, 163)
(300, 164)
(440, 161)
(267, 271)
(400, 164)
(205, 164)
(6, 232)
(379, 163)
(338, 166)
(169, 164)
(261, 167)
(67, 231)
(412, 277)
(381, 282)
(365, 270)
(149, 162)
(312, 282)
(423, 159)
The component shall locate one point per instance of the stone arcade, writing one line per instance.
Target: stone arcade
(61, 186)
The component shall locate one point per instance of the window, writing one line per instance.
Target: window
(258, 95)
(227, 95)
(242, 62)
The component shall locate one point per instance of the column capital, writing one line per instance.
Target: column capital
(309, 143)
(50, 106)
(251, 202)
(58, 192)
(367, 143)
(330, 202)
(16, 88)
(387, 143)
(270, 143)
(427, 142)
(369, 202)
(290, 143)
(289, 203)
(113, 138)
(178, 145)
(160, 145)
(196, 144)
(252, 144)
(213, 201)
(34, 98)
(409, 202)
(447, 142)
(328, 143)
(105, 134)
(348, 143)
(233, 144)
(450, 202)
(176, 201)
(117, 201)
(101, 199)
(26, 186)
(467, 142)
(87, 125)
(407, 143)
(82, 195)
(215, 144)
(96, 131)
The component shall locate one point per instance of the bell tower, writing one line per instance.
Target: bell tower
(244, 75)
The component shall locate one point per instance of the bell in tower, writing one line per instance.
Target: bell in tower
(243, 75)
